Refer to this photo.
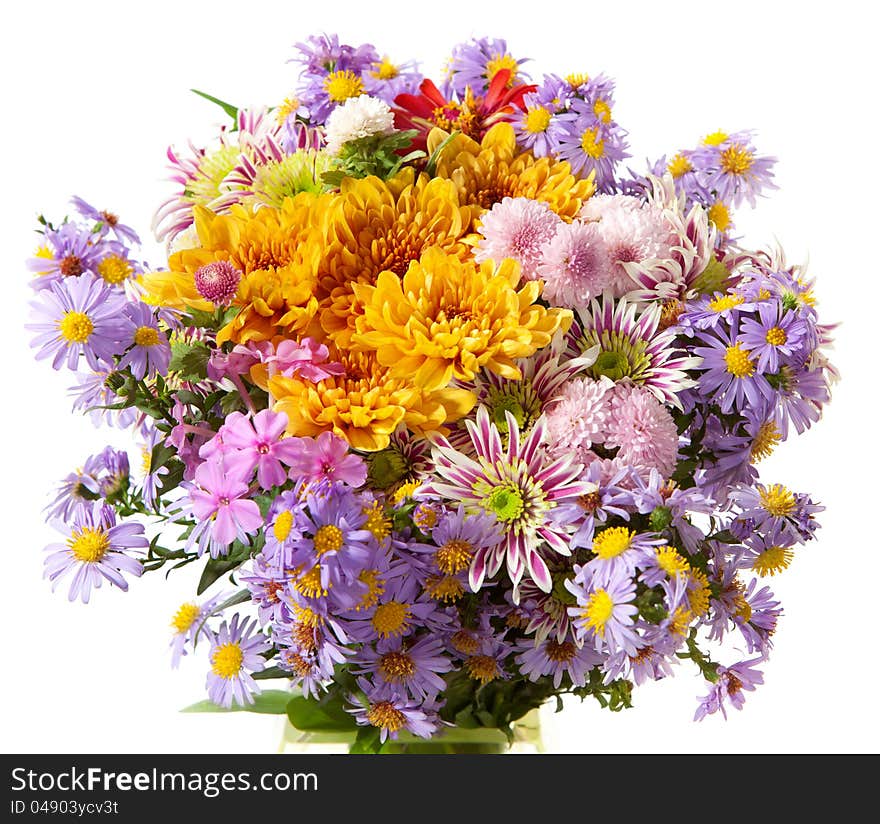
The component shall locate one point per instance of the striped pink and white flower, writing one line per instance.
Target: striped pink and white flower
(532, 496)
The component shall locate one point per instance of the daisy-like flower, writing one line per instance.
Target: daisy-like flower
(108, 221)
(733, 169)
(528, 493)
(79, 316)
(475, 63)
(326, 459)
(537, 127)
(578, 417)
(77, 490)
(236, 652)
(729, 687)
(282, 532)
(590, 145)
(631, 345)
(413, 668)
(575, 265)
(517, 228)
(391, 711)
(642, 429)
(189, 625)
(219, 504)
(619, 550)
(356, 118)
(97, 549)
(68, 252)
(150, 352)
(92, 394)
(605, 614)
(775, 334)
(667, 507)
(552, 657)
(387, 80)
(446, 320)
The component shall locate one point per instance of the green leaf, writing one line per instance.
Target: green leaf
(367, 742)
(231, 110)
(270, 673)
(268, 702)
(431, 165)
(190, 360)
(214, 569)
(325, 715)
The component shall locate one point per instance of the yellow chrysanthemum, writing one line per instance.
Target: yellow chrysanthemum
(378, 225)
(272, 249)
(447, 319)
(485, 173)
(365, 405)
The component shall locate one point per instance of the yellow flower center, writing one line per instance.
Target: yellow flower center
(146, 460)
(340, 86)
(306, 616)
(679, 165)
(719, 215)
(89, 545)
(765, 441)
(404, 491)
(464, 642)
(146, 336)
(385, 715)
(396, 666)
(577, 79)
(444, 588)
(454, 556)
(283, 524)
(776, 336)
(681, 620)
(377, 522)
(772, 560)
(715, 139)
(391, 618)
(310, 583)
(385, 70)
(185, 617)
(287, 108)
(669, 560)
(738, 362)
(328, 539)
(375, 587)
(602, 111)
(76, 327)
(227, 660)
(736, 160)
(698, 593)
(777, 500)
(611, 542)
(482, 667)
(598, 610)
(537, 120)
(114, 269)
(724, 302)
(592, 144)
(498, 63)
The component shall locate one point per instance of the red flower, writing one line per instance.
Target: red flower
(472, 116)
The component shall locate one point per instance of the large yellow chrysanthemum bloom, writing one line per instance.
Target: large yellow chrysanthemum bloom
(365, 405)
(272, 248)
(485, 173)
(377, 225)
(447, 319)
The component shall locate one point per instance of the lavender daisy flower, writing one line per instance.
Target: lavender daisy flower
(189, 625)
(732, 682)
(114, 470)
(537, 127)
(79, 316)
(386, 80)
(758, 618)
(415, 668)
(591, 145)
(97, 548)
(711, 312)
(667, 507)
(308, 653)
(281, 530)
(799, 397)
(69, 252)
(92, 395)
(391, 712)
(150, 351)
(266, 585)
(474, 64)
(734, 170)
(605, 614)
(550, 657)
(775, 334)
(235, 654)
(108, 220)
(77, 490)
(609, 495)
(527, 492)
(620, 551)
(651, 662)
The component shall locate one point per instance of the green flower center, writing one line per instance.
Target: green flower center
(506, 502)
(387, 467)
(621, 357)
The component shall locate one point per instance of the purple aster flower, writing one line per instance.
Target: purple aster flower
(97, 548)
(609, 495)
(590, 144)
(732, 682)
(281, 531)
(619, 549)
(108, 220)
(529, 494)
(605, 614)
(390, 712)
(218, 502)
(70, 251)
(799, 398)
(732, 168)
(189, 625)
(712, 312)
(78, 316)
(776, 333)
(387, 80)
(667, 507)
(150, 351)
(113, 470)
(235, 654)
(326, 459)
(91, 396)
(758, 621)
(414, 668)
(651, 662)
(537, 127)
(475, 63)
(77, 491)
(552, 657)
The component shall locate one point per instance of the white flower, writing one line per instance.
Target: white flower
(357, 117)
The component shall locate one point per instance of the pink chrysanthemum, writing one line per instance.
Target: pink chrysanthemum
(516, 228)
(217, 281)
(579, 417)
(576, 265)
(643, 429)
(633, 231)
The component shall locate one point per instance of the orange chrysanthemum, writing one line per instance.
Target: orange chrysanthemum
(447, 319)
(487, 172)
(365, 405)
(273, 250)
(378, 225)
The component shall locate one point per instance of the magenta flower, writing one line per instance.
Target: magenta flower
(219, 505)
(326, 459)
(307, 358)
(257, 442)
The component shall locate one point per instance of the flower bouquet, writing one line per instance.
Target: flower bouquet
(456, 412)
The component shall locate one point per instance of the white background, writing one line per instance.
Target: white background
(93, 93)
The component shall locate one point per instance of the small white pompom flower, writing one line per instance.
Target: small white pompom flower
(357, 117)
